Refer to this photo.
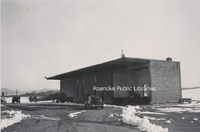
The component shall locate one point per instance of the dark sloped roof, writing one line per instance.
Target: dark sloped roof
(114, 64)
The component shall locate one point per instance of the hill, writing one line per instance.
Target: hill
(190, 88)
(13, 92)
(8, 91)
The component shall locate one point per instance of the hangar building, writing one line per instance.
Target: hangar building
(144, 80)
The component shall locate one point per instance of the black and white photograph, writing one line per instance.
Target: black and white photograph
(100, 66)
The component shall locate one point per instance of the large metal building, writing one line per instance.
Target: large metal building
(144, 80)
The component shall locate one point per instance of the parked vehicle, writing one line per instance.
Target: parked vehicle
(94, 101)
(185, 100)
(16, 99)
(33, 99)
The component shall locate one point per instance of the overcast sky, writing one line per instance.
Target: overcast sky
(42, 38)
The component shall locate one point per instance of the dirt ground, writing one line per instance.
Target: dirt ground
(54, 118)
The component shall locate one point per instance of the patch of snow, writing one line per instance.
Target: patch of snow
(114, 106)
(111, 115)
(170, 109)
(152, 107)
(195, 119)
(14, 117)
(69, 103)
(2, 105)
(155, 119)
(183, 118)
(153, 113)
(42, 117)
(115, 114)
(45, 101)
(194, 110)
(129, 117)
(193, 104)
(71, 115)
(168, 122)
(179, 110)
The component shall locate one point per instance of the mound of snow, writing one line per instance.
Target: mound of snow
(15, 116)
(168, 122)
(129, 117)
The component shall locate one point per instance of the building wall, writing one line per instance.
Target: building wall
(165, 77)
(82, 86)
(124, 78)
(67, 87)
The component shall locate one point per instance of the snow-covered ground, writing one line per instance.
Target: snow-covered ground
(193, 107)
(191, 93)
(11, 117)
(129, 114)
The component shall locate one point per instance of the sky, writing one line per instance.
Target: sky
(42, 38)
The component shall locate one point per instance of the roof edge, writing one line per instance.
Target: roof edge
(118, 59)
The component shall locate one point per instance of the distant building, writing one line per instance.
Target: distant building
(128, 76)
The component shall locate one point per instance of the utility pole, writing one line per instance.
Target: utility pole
(16, 91)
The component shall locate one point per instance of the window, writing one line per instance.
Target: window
(76, 91)
(82, 92)
(95, 79)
